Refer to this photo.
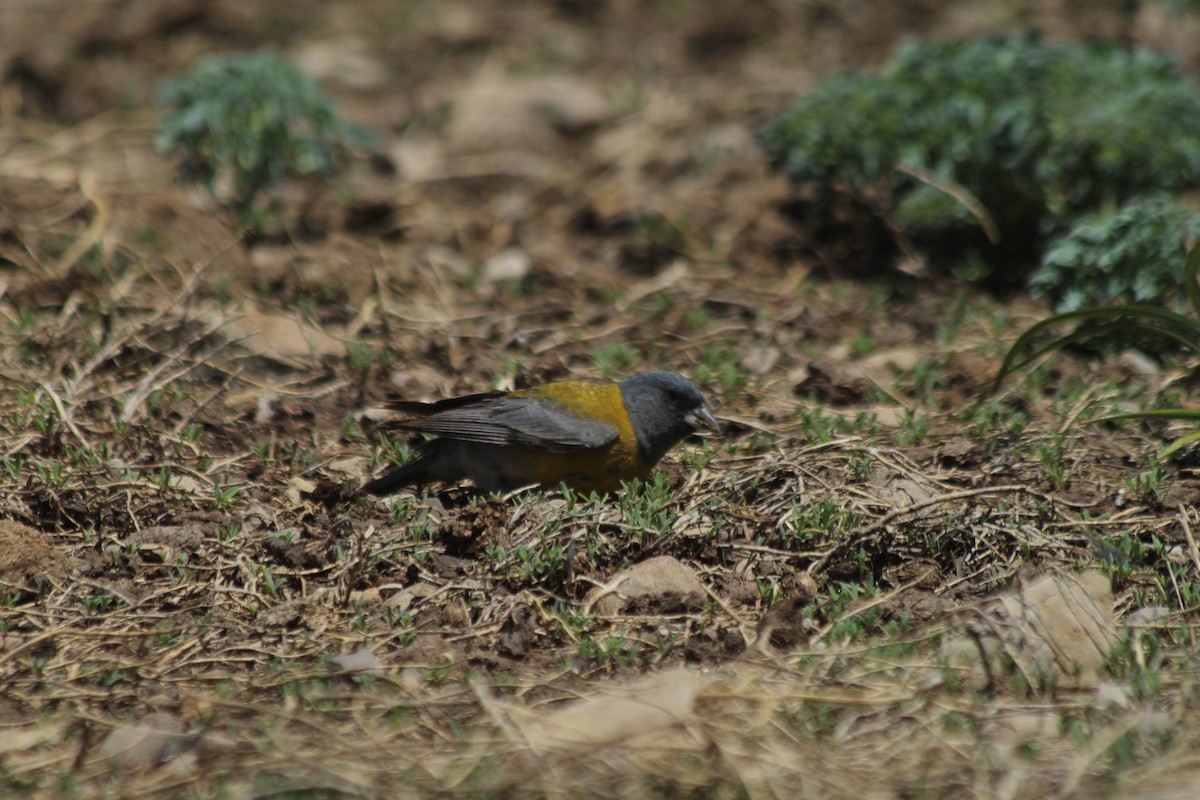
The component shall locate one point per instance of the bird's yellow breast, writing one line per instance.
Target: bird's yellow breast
(601, 469)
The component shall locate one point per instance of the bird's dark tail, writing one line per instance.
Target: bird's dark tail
(413, 473)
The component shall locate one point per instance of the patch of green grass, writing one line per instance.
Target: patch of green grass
(819, 426)
(661, 231)
(610, 651)
(227, 533)
(863, 344)
(99, 602)
(721, 366)
(699, 457)
(361, 355)
(863, 467)
(404, 620)
(396, 452)
(661, 304)
(927, 379)
(440, 672)
(914, 427)
(769, 592)
(1130, 558)
(53, 474)
(993, 419)
(1128, 323)
(648, 508)
(546, 557)
(845, 623)
(615, 359)
(750, 444)
(698, 318)
(572, 620)
(284, 454)
(225, 497)
(271, 584)
(510, 370)
(1148, 483)
(821, 521)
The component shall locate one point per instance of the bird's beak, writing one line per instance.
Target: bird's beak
(702, 417)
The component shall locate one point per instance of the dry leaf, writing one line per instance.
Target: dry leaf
(616, 714)
(280, 338)
(1061, 625)
(154, 739)
(361, 661)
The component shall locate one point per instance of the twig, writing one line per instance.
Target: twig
(960, 194)
(892, 516)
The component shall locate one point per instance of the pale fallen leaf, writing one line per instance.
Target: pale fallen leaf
(1059, 625)
(404, 598)
(154, 739)
(366, 597)
(280, 338)
(507, 265)
(264, 409)
(361, 661)
(297, 487)
(186, 483)
(639, 710)
(895, 489)
(897, 359)
(40, 734)
(354, 466)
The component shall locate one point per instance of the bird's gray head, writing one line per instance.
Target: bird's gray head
(664, 407)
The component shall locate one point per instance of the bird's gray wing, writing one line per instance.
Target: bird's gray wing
(501, 420)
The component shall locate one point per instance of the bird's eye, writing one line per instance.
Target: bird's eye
(674, 397)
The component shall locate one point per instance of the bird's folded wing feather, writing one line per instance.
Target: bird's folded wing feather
(502, 420)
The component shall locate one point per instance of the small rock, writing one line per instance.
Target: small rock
(1147, 614)
(661, 576)
(507, 265)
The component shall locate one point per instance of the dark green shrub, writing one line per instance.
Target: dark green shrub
(1135, 255)
(1009, 133)
(251, 120)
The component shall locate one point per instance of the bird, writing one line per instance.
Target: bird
(588, 435)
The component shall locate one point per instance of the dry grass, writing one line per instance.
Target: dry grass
(193, 601)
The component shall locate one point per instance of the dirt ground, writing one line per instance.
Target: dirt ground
(882, 580)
